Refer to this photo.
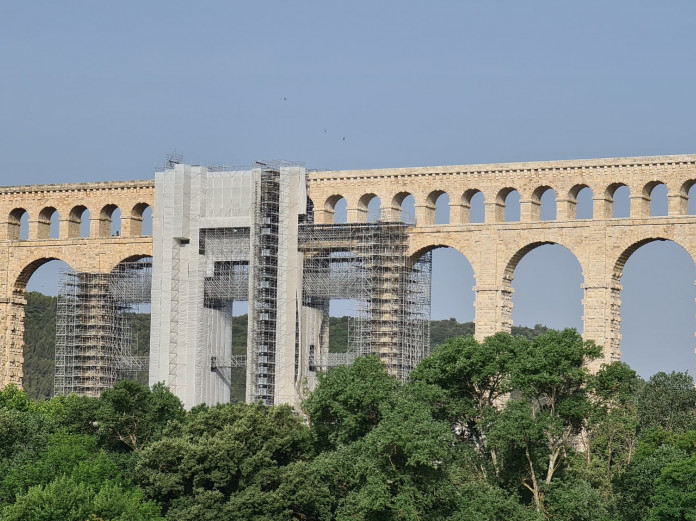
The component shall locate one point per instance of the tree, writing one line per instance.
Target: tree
(348, 401)
(224, 451)
(475, 377)
(668, 401)
(549, 405)
(399, 469)
(130, 414)
(675, 495)
(68, 500)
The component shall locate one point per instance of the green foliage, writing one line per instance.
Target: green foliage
(39, 344)
(221, 453)
(349, 402)
(668, 401)
(130, 415)
(68, 500)
(675, 494)
(482, 431)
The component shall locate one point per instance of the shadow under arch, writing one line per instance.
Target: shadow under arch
(509, 274)
(669, 305)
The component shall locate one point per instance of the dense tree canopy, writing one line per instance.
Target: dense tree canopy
(512, 428)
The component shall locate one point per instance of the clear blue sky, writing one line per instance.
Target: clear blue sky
(102, 91)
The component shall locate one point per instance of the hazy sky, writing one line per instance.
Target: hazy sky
(95, 91)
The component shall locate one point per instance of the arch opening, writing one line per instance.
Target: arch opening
(38, 284)
(544, 204)
(452, 297)
(437, 209)
(546, 279)
(336, 210)
(656, 194)
(403, 208)
(474, 206)
(79, 222)
(508, 205)
(141, 220)
(110, 221)
(654, 305)
(18, 225)
(619, 197)
(374, 209)
(48, 225)
(580, 202)
(688, 192)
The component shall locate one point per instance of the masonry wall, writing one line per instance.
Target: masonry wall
(601, 244)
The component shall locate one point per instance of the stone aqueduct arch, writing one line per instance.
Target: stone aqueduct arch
(602, 245)
(98, 253)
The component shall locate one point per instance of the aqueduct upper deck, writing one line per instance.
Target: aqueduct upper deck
(602, 244)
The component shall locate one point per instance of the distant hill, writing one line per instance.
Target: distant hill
(40, 342)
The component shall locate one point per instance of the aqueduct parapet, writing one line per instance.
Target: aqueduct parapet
(601, 244)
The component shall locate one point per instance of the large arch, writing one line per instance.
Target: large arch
(652, 319)
(508, 275)
(14, 337)
(453, 299)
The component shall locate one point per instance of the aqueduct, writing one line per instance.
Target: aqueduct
(602, 244)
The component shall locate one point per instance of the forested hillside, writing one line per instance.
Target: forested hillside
(508, 429)
(40, 331)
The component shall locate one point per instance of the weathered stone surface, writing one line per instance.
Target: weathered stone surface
(98, 253)
(602, 245)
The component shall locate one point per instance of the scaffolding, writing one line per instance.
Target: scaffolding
(226, 254)
(263, 308)
(368, 263)
(94, 337)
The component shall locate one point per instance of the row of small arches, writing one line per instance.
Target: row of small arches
(80, 223)
(439, 208)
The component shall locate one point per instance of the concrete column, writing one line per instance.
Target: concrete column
(678, 204)
(8, 231)
(69, 228)
(602, 320)
(131, 226)
(493, 308)
(39, 230)
(324, 216)
(99, 227)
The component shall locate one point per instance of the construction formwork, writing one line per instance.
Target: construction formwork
(94, 339)
(368, 263)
